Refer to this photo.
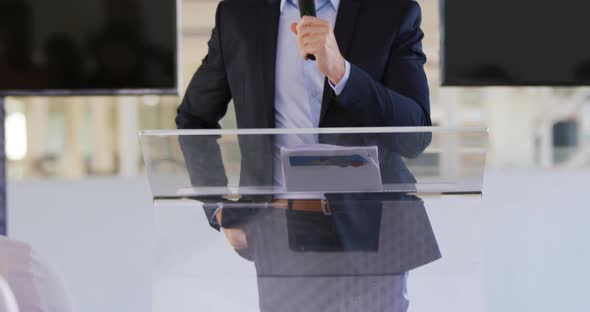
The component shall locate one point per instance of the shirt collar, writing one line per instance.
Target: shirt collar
(335, 4)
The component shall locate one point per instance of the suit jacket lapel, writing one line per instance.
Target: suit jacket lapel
(344, 31)
(345, 24)
(268, 29)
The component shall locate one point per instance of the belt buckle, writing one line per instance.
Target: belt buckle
(326, 208)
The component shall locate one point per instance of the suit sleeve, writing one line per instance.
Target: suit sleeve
(204, 104)
(208, 94)
(402, 98)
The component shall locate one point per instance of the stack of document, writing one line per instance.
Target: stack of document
(331, 168)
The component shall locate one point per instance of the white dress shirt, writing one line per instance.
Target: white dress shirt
(299, 83)
(299, 87)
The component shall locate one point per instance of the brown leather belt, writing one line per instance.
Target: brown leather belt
(308, 205)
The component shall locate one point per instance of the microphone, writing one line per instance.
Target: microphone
(307, 8)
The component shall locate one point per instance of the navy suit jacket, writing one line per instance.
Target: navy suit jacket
(381, 39)
(387, 86)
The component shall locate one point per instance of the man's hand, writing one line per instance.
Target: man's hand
(316, 37)
(236, 237)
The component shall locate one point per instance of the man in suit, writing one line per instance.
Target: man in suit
(373, 58)
(368, 72)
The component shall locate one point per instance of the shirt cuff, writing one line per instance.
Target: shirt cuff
(340, 86)
(213, 219)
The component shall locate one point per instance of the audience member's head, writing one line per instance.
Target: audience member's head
(36, 286)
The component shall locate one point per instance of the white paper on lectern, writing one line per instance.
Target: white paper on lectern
(331, 178)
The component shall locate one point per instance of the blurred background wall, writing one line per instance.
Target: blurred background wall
(97, 136)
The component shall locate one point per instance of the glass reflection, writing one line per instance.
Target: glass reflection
(355, 259)
(319, 251)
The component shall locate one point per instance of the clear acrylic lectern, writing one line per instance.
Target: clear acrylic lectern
(300, 219)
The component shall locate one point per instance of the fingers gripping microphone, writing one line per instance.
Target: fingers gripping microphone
(307, 8)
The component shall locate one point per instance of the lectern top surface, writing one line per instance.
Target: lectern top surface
(314, 163)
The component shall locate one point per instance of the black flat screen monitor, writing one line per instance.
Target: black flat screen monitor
(102, 47)
(515, 43)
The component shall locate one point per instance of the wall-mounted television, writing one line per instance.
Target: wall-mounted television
(515, 43)
(89, 47)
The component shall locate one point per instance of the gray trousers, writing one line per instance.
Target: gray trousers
(334, 294)
(371, 280)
